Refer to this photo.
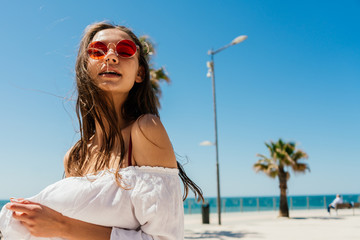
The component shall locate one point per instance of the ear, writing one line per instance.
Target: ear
(140, 75)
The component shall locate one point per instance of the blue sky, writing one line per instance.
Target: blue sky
(296, 77)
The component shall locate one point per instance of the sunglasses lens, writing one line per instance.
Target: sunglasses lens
(97, 50)
(126, 48)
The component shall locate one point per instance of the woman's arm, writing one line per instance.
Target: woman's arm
(42, 221)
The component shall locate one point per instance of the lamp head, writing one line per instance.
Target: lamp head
(239, 39)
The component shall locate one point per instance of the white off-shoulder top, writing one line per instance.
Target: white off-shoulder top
(150, 207)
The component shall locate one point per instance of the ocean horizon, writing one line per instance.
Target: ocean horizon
(259, 203)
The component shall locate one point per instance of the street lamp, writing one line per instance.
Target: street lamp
(211, 73)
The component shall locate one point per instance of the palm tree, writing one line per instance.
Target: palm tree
(157, 75)
(283, 155)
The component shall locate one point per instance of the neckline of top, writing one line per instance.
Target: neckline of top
(150, 169)
(144, 169)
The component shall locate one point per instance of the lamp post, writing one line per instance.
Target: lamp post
(211, 73)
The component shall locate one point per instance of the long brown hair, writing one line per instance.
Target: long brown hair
(92, 106)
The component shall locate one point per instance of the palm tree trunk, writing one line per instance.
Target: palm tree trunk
(284, 209)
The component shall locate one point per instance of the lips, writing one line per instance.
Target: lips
(110, 73)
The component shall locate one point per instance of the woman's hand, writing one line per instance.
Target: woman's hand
(40, 220)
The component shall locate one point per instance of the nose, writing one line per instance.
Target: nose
(111, 57)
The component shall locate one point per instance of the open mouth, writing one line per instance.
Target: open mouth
(110, 73)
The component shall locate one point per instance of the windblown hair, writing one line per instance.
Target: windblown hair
(93, 106)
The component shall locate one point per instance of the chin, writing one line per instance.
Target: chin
(112, 87)
(113, 90)
(109, 85)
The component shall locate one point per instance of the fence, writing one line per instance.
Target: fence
(246, 204)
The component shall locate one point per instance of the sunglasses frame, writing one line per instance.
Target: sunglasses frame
(108, 48)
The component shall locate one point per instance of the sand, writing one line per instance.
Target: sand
(302, 224)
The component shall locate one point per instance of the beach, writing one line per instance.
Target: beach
(302, 224)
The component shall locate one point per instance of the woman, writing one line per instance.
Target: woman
(122, 175)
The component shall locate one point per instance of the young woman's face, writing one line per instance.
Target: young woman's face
(114, 73)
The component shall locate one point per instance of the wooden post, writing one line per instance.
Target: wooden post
(224, 204)
(308, 202)
(325, 202)
(274, 203)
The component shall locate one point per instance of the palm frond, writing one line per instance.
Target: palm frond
(267, 166)
(270, 170)
(299, 154)
(300, 168)
(287, 176)
(262, 156)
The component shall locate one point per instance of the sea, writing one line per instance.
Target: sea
(264, 203)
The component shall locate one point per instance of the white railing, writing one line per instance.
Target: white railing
(242, 204)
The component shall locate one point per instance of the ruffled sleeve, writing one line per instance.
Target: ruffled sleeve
(157, 206)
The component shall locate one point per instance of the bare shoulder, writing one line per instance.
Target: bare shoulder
(151, 143)
(150, 127)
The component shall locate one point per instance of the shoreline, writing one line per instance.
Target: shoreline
(314, 224)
